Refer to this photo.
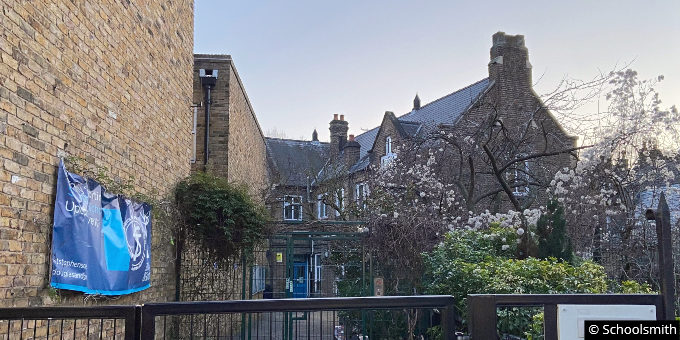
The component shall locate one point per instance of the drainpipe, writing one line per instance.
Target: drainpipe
(208, 80)
(193, 131)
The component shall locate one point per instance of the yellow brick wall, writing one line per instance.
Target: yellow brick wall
(106, 80)
(247, 149)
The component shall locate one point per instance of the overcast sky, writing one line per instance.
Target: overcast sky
(303, 61)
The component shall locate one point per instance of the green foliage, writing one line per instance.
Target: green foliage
(535, 331)
(632, 287)
(475, 262)
(220, 216)
(552, 234)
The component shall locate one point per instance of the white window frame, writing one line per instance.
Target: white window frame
(321, 207)
(389, 155)
(360, 196)
(339, 201)
(294, 207)
(317, 272)
(259, 275)
(524, 176)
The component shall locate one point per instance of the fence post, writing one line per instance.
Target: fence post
(147, 320)
(132, 323)
(665, 251)
(482, 317)
(449, 322)
(550, 321)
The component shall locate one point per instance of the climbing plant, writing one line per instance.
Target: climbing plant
(219, 216)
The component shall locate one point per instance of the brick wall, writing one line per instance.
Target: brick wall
(219, 115)
(247, 149)
(106, 80)
(236, 144)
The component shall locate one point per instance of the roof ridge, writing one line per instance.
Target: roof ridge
(447, 95)
(409, 122)
(296, 140)
(436, 100)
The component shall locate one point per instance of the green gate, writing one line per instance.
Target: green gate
(310, 260)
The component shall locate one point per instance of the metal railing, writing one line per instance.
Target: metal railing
(102, 322)
(320, 318)
(312, 311)
(482, 308)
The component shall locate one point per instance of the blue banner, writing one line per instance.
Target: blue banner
(101, 242)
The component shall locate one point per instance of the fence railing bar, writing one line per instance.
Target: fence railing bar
(298, 305)
(44, 313)
(577, 299)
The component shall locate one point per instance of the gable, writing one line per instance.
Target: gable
(390, 127)
(444, 110)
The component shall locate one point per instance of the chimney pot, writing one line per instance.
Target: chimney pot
(342, 117)
(335, 116)
(351, 138)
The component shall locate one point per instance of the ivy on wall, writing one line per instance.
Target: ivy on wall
(220, 216)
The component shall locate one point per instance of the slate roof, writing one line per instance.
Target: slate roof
(294, 160)
(445, 110)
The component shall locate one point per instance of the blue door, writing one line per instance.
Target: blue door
(300, 280)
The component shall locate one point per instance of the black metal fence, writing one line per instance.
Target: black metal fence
(486, 311)
(70, 323)
(320, 318)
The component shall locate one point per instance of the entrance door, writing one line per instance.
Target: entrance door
(300, 280)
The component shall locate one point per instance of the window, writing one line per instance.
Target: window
(387, 159)
(339, 201)
(360, 193)
(259, 273)
(317, 272)
(389, 155)
(519, 179)
(292, 208)
(321, 207)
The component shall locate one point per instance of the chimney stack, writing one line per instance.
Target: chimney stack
(351, 151)
(338, 129)
(509, 65)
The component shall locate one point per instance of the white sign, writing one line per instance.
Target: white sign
(571, 318)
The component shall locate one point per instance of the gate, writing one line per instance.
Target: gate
(323, 260)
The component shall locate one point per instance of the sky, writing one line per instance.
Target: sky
(303, 61)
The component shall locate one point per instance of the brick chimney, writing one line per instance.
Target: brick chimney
(509, 66)
(338, 128)
(352, 151)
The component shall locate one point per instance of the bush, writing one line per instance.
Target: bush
(220, 216)
(482, 262)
